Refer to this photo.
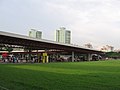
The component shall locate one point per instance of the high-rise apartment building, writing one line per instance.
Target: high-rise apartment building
(63, 35)
(34, 33)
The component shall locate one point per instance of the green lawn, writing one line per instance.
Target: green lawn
(98, 75)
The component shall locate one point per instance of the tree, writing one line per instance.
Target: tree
(113, 54)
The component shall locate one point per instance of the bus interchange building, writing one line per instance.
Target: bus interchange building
(48, 47)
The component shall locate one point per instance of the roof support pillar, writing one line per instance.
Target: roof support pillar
(29, 57)
(89, 57)
(73, 55)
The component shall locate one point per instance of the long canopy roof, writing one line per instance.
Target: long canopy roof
(40, 44)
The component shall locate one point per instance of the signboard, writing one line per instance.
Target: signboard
(45, 58)
(44, 54)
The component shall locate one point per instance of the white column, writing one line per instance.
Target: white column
(89, 57)
(72, 56)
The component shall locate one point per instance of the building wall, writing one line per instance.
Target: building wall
(39, 34)
(34, 33)
(63, 35)
(68, 37)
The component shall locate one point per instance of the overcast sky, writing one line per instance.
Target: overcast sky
(90, 21)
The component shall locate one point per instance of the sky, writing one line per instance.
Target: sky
(90, 21)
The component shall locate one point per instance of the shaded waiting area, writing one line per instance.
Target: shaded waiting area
(45, 48)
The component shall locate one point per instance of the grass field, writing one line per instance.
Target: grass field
(99, 75)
